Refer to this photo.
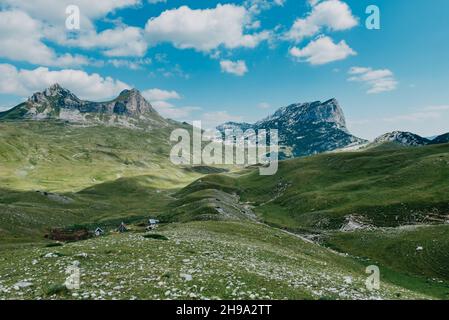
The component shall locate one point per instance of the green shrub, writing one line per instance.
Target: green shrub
(155, 236)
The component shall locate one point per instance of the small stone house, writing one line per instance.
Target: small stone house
(152, 224)
(98, 232)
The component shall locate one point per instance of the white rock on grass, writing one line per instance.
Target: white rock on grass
(22, 285)
(186, 277)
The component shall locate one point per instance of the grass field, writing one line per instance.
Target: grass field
(413, 256)
(385, 188)
(54, 174)
(196, 260)
(221, 228)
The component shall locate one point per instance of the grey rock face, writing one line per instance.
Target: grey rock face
(129, 102)
(129, 109)
(403, 138)
(306, 128)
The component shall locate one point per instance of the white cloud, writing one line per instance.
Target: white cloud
(170, 111)
(257, 6)
(314, 2)
(264, 105)
(381, 80)
(203, 29)
(238, 68)
(53, 13)
(160, 95)
(210, 120)
(333, 15)
(24, 82)
(121, 41)
(158, 99)
(50, 16)
(322, 50)
(130, 64)
(21, 40)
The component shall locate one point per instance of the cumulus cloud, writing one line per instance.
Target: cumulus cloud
(160, 98)
(121, 41)
(203, 29)
(211, 120)
(168, 110)
(49, 17)
(322, 50)
(237, 68)
(377, 81)
(159, 94)
(21, 40)
(24, 82)
(53, 12)
(135, 64)
(333, 15)
(257, 6)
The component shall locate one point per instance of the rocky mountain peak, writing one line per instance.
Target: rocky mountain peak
(129, 109)
(54, 94)
(131, 102)
(312, 112)
(403, 138)
(305, 128)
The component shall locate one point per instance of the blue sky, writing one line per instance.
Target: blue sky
(238, 60)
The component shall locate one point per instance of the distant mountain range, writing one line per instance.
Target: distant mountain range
(409, 139)
(304, 128)
(128, 109)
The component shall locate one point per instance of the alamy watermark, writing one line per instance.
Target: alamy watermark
(373, 281)
(236, 148)
(73, 280)
(373, 20)
(73, 20)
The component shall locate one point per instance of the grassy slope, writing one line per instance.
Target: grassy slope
(107, 172)
(230, 260)
(396, 250)
(59, 157)
(112, 174)
(386, 188)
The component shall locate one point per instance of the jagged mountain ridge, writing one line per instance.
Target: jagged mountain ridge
(444, 138)
(305, 128)
(402, 138)
(129, 109)
(409, 139)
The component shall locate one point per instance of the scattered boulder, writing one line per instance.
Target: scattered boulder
(22, 284)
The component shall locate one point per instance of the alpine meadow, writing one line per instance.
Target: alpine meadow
(249, 151)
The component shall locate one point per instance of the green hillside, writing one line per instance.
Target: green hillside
(55, 174)
(200, 260)
(383, 188)
(412, 256)
(55, 156)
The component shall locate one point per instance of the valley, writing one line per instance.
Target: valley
(226, 232)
